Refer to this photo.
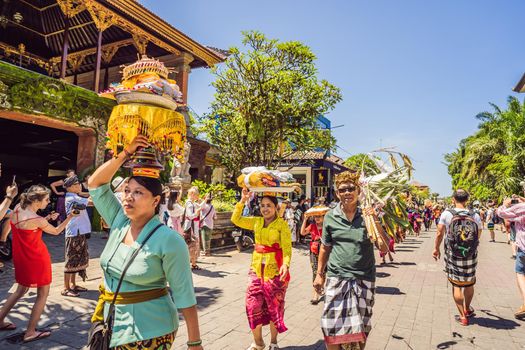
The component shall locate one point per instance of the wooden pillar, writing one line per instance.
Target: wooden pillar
(87, 144)
(106, 76)
(65, 46)
(75, 79)
(96, 79)
(183, 71)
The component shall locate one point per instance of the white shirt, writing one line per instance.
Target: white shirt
(446, 218)
(208, 215)
(79, 225)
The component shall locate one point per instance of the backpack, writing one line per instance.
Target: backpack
(462, 238)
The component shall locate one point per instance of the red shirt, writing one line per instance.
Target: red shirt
(315, 232)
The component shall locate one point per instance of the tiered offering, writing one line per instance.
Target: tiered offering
(147, 100)
(260, 179)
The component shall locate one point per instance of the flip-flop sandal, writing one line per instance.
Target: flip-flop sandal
(195, 267)
(38, 336)
(470, 313)
(461, 320)
(254, 346)
(69, 293)
(8, 327)
(79, 289)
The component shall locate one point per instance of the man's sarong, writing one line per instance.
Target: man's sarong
(265, 302)
(461, 272)
(347, 310)
(77, 255)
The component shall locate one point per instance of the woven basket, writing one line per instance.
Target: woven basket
(146, 98)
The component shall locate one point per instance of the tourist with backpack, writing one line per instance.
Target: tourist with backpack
(461, 229)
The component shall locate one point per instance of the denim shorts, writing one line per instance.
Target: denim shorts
(520, 262)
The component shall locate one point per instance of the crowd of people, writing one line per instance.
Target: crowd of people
(155, 240)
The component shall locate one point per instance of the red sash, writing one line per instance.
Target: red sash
(275, 248)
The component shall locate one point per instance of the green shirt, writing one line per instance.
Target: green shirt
(164, 258)
(352, 254)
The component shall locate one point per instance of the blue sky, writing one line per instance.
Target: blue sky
(413, 73)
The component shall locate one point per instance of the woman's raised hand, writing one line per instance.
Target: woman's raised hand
(12, 190)
(138, 141)
(245, 195)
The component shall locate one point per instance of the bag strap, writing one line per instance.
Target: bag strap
(208, 213)
(133, 256)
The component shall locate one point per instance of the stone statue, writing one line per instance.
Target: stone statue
(217, 176)
(181, 169)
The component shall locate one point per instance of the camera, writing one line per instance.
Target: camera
(77, 207)
(514, 201)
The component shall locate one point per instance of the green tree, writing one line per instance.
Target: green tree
(361, 161)
(267, 102)
(490, 163)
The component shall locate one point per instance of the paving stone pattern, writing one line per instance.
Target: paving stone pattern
(413, 310)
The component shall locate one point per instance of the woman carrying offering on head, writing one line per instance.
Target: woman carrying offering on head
(268, 274)
(315, 230)
(146, 315)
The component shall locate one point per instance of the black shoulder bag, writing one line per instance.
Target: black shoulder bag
(99, 335)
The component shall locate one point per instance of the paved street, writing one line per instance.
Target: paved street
(413, 310)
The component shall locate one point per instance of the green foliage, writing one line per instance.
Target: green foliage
(361, 160)
(219, 192)
(419, 194)
(267, 97)
(37, 94)
(491, 162)
(222, 206)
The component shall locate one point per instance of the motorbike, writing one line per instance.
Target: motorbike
(244, 239)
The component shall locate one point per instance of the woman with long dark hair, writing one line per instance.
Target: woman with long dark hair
(146, 316)
(268, 275)
(175, 211)
(30, 256)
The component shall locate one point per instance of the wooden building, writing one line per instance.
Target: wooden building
(315, 171)
(55, 55)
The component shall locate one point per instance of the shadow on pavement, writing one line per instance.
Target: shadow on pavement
(495, 322)
(389, 290)
(382, 274)
(59, 316)
(211, 274)
(318, 345)
(207, 296)
(450, 343)
(404, 263)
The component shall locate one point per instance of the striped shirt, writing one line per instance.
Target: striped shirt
(515, 214)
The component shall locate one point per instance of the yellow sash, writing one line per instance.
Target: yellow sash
(124, 298)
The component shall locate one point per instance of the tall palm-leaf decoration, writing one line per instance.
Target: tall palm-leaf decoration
(386, 185)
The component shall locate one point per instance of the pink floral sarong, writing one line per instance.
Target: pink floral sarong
(265, 301)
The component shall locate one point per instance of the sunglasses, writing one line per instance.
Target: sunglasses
(347, 189)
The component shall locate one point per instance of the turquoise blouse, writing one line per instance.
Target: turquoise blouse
(164, 259)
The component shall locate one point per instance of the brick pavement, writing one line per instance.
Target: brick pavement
(413, 310)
